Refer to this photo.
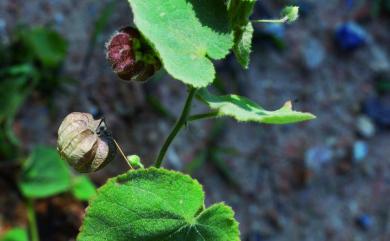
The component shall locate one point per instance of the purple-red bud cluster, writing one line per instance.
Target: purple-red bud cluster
(131, 56)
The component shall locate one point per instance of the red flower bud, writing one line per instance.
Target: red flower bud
(131, 56)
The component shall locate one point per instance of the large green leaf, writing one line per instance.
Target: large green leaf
(15, 234)
(243, 109)
(44, 174)
(239, 13)
(186, 34)
(156, 205)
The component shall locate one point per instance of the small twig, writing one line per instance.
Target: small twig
(123, 154)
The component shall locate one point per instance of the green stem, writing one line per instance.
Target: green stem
(179, 124)
(32, 220)
(203, 116)
(282, 20)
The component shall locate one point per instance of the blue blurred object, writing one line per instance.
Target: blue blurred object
(350, 36)
(360, 151)
(350, 3)
(305, 8)
(378, 109)
(274, 29)
(254, 236)
(364, 221)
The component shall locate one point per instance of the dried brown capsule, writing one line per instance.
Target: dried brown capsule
(131, 56)
(85, 143)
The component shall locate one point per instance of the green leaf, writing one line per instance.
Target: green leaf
(239, 13)
(15, 234)
(291, 13)
(13, 93)
(243, 46)
(243, 109)
(156, 205)
(44, 174)
(47, 45)
(135, 161)
(187, 34)
(82, 188)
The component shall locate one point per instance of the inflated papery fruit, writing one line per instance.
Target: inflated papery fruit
(131, 56)
(85, 142)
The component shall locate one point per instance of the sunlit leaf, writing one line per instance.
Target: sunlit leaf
(243, 109)
(156, 205)
(187, 34)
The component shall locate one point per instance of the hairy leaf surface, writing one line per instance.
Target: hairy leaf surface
(156, 205)
(187, 34)
(239, 13)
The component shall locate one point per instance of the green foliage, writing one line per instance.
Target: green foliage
(291, 13)
(135, 161)
(156, 205)
(29, 62)
(13, 92)
(14, 89)
(15, 234)
(243, 109)
(46, 45)
(243, 45)
(44, 174)
(239, 12)
(186, 34)
(161, 205)
(82, 188)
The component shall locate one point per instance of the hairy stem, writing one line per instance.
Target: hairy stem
(32, 220)
(179, 124)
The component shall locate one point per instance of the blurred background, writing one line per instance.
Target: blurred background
(327, 179)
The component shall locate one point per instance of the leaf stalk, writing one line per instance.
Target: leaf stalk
(33, 227)
(177, 127)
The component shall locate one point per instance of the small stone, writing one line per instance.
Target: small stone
(378, 109)
(350, 36)
(365, 222)
(313, 53)
(317, 157)
(365, 126)
(360, 151)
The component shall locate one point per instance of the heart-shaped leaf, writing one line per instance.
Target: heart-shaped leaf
(186, 34)
(156, 205)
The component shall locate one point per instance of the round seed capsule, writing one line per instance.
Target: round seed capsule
(85, 143)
